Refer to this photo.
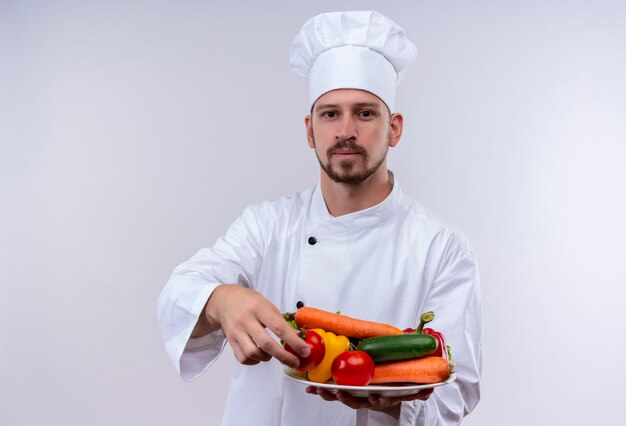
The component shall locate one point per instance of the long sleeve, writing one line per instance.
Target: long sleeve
(455, 298)
(234, 259)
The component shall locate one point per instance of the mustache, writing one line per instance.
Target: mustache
(346, 144)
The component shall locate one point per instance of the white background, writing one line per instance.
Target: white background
(133, 133)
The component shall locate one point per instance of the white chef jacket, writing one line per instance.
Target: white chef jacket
(388, 263)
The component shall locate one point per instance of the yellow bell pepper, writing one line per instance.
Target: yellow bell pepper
(334, 346)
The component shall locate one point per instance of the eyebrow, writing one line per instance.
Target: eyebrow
(354, 106)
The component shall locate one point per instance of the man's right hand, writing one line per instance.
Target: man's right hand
(243, 315)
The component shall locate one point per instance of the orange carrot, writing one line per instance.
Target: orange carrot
(342, 324)
(430, 369)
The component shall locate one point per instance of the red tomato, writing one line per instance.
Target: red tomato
(318, 350)
(353, 368)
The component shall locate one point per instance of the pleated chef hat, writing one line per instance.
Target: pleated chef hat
(352, 50)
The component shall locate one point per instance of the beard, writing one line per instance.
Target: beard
(347, 173)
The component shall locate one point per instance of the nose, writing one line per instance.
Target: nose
(346, 128)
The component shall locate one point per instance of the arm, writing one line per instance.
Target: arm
(455, 298)
(197, 312)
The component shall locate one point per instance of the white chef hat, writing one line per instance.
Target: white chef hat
(352, 50)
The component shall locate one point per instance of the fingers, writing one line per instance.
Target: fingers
(423, 395)
(343, 397)
(373, 401)
(274, 349)
(323, 393)
(275, 322)
(353, 401)
(246, 351)
(346, 398)
(243, 315)
(252, 344)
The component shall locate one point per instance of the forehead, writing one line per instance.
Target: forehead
(347, 97)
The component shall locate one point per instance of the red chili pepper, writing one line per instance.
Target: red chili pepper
(442, 349)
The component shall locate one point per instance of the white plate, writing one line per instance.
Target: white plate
(399, 389)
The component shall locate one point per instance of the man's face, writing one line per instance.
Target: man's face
(351, 131)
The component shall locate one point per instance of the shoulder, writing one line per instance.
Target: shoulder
(264, 221)
(430, 224)
(274, 209)
(283, 204)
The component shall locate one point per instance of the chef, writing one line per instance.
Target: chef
(354, 243)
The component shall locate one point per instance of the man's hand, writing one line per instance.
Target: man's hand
(390, 405)
(243, 315)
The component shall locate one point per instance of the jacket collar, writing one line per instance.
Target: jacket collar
(371, 216)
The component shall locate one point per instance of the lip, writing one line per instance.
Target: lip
(346, 153)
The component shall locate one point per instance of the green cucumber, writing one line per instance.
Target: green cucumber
(398, 347)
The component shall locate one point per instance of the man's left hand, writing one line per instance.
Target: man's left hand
(390, 405)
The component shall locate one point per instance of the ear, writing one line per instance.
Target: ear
(396, 124)
(308, 122)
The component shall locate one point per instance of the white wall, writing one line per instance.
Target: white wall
(133, 133)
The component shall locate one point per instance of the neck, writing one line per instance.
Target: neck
(343, 198)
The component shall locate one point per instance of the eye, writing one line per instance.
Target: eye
(366, 114)
(329, 114)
